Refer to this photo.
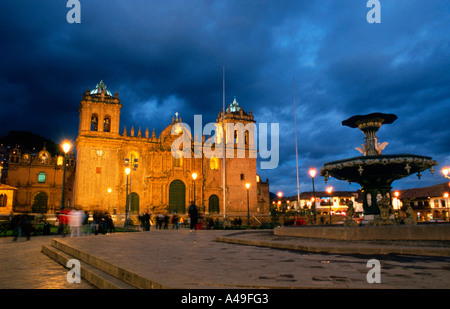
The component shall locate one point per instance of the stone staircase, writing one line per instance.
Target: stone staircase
(96, 271)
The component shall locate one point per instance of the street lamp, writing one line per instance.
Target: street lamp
(109, 199)
(446, 171)
(247, 185)
(66, 148)
(128, 169)
(194, 176)
(127, 172)
(446, 201)
(312, 173)
(329, 190)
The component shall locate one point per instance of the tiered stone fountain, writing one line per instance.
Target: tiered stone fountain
(374, 171)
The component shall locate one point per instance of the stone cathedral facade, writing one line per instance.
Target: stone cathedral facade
(157, 181)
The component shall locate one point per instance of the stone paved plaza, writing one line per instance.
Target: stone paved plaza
(179, 259)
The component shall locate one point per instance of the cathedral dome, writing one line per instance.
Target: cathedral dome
(179, 127)
(100, 88)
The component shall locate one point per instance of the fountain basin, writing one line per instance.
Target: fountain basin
(436, 231)
(373, 170)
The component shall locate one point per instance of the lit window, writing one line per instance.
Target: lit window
(3, 200)
(94, 122)
(107, 124)
(214, 163)
(178, 162)
(60, 160)
(41, 177)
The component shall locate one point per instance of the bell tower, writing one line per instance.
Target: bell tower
(239, 169)
(99, 112)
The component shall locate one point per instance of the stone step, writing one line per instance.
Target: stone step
(93, 275)
(131, 279)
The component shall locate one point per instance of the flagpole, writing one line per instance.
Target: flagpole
(296, 148)
(223, 141)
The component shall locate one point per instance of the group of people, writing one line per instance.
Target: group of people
(21, 226)
(162, 220)
(77, 223)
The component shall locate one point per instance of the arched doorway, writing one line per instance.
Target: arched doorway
(213, 204)
(134, 203)
(177, 197)
(40, 201)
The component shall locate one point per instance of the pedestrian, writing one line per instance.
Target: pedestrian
(109, 223)
(146, 221)
(16, 226)
(193, 215)
(63, 220)
(175, 221)
(159, 221)
(26, 226)
(96, 219)
(86, 225)
(166, 221)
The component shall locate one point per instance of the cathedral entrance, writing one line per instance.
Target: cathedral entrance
(134, 203)
(177, 197)
(213, 204)
(40, 201)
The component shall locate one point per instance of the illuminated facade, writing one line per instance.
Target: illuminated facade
(157, 181)
(38, 178)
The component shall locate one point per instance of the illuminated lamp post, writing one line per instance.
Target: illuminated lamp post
(446, 203)
(329, 190)
(280, 195)
(247, 185)
(127, 172)
(194, 176)
(109, 199)
(446, 171)
(66, 148)
(128, 168)
(312, 173)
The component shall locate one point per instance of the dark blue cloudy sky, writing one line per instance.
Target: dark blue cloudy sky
(167, 56)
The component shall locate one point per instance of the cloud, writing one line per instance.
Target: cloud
(164, 57)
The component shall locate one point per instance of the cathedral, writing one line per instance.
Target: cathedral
(132, 171)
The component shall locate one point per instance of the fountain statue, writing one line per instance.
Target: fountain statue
(374, 171)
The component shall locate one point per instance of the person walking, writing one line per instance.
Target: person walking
(63, 219)
(193, 215)
(75, 222)
(26, 226)
(175, 221)
(16, 226)
(86, 225)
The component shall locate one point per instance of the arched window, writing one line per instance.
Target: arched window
(41, 177)
(107, 124)
(43, 157)
(3, 200)
(94, 122)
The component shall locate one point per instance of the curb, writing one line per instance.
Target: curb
(360, 249)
